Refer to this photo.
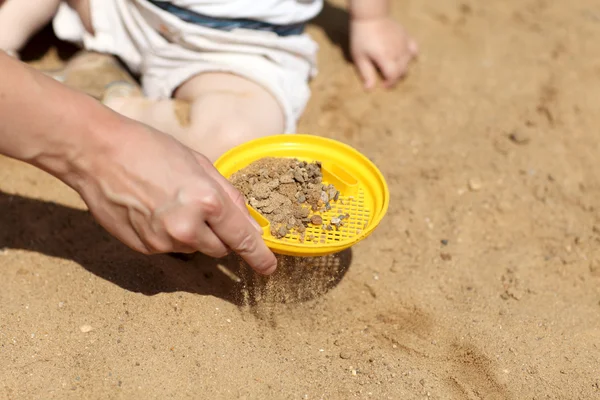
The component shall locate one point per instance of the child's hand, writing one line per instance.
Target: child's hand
(380, 43)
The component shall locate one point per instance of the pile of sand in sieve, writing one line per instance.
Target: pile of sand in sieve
(289, 193)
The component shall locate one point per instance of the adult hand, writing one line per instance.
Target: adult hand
(158, 196)
(144, 187)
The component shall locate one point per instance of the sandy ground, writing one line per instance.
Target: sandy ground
(483, 282)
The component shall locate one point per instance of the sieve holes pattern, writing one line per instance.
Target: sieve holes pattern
(354, 226)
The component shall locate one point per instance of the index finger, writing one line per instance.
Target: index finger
(236, 231)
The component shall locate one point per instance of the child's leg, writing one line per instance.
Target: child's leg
(21, 19)
(225, 110)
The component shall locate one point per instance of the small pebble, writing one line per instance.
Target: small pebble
(324, 197)
(287, 178)
(444, 242)
(298, 176)
(344, 355)
(85, 328)
(316, 220)
(474, 184)
(274, 184)
(282, 231)
(519, 137)
(332, 192)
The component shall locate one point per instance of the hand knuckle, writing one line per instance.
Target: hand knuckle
(247, 244)
(211, 203)
(183, 231)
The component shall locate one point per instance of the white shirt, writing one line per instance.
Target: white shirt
(281, 12)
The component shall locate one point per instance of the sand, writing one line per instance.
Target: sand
(483, 281)
(291, 195)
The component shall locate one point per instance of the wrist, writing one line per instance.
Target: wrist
(89, 136)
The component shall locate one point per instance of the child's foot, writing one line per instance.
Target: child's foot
(117, 90)
(125, 98)
(94, 72)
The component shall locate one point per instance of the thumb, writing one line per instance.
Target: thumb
(367, 71)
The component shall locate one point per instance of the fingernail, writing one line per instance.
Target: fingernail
(256, 224)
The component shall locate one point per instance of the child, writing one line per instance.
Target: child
(243, 66)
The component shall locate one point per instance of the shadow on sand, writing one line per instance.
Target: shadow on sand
(68, 233)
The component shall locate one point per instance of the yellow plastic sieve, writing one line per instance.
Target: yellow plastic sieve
(364, 194)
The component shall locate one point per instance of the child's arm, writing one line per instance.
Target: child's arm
(378, 42)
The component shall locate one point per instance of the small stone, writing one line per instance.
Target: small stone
(474, 184)
(316, 220)
(336, 221)
(85, 328)
(324, 197)
(287, 178)
(301, 198)
(264, 173)
(345, 355)
(354, 372)
(331, 192)
(261, 191)
(446, 256)
(444, 242)
(282, 231)
(298, 176)
(274, 184)
(519, 137)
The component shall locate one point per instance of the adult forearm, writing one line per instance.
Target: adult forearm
(46, 124)
(366, 9)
